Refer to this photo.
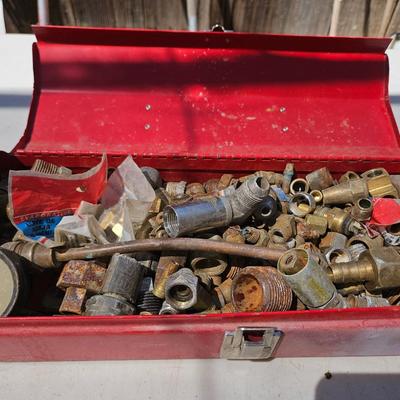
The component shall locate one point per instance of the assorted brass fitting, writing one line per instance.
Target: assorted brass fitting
(283, 229)
(320, 179)
(299, 185)
(347, 192)
(362, 209)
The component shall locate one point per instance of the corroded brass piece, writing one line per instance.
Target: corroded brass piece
(320, 179)
(306, 231)
(299, 185)
(224, 181)
(234, 235)
(366, 301)
(369, 243)
(318, 196)
(348, 176)
(195, 189)
(283, 229)
(258, 237)
(347, 192)
(73, 301)
(362, 210)
(382, 186)
(317, 223)
(228, 308)
(211, 186)
(333, 240)
(175, 189)
(338, 220)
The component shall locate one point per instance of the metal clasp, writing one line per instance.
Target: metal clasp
(250, 343)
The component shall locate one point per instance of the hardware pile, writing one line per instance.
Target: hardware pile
(262, 242)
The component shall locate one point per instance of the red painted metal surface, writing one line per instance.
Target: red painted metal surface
(195, 105)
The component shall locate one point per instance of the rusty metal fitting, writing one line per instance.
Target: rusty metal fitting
(225, 289)
(73, 301)
(347, 192)
(34, 252)
(338, 220)
(212, 264)
(333, 240)
(184, 291)
(233, 272)
(356, 250)
(320, 179)
(224, 181)
(167, 309)
(317, 223)
(315, 253)
(377, 267)
(382, 186)
(364, 300)
(338, 256)
(394, 229)
(153, 176)
(175, 189)
(228, 309)
(168, 264)
(211, 186)
(318, 196)
(299, 185)
(258, 237)
(108, 304)
(362, 210)
(374, 172)
(299, 240)
(82, 274)
(258, 289)
(205, 278)
(369, 243)
(266, 212)
(283, 229)
(353, 289)
(302, 204)
(277, 246)
(306, 231)
(123, 277)
(348, 176)
(273, 178)
(195, 189)
(233, 235)
(308, 279)
(45, 167)
(287, 177)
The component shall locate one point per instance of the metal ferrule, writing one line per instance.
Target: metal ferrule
(302, 204)
(299, 185)
(307, 278)
(362, 210)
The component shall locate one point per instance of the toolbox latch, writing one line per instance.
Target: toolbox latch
(250, 343)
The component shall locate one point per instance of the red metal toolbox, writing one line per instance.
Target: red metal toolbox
(195, 105)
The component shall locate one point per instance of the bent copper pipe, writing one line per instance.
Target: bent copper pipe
(178, 244)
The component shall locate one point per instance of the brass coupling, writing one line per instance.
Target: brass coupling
(346, 192)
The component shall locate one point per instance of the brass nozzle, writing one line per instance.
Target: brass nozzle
(347, 192)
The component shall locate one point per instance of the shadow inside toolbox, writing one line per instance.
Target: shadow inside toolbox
(358, 386)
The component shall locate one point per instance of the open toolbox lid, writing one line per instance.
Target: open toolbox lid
(208, 95)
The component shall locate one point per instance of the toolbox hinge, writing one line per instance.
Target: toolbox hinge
(250, 343)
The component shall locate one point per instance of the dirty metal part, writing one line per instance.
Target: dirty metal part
(233, 235)
(299, 185)
(123, 277)
(338, 256)
(184, 291)
(179, 244)
(205, 278)
(318, 196)
(369, 243)
(14, 281)
(299, 240)
(233, 271)
(167, 309)
(196, 216)
(333, 240)
(287, 177)
(175, 189)
(347, 192)
(377, 267)
(320, 179)
(315, 253)
(147, 259)
(266, 212)
(82, 274)
(277, 246)
(216, 280)
(225, 288)
(283, 229)
(258, 237)
(212, 264)
(306, 231)
(228, 308)
(153, 176)
(274, 178)
(356, 250)
(353, 289)
(338, 220)
(45, 167)
(163, 195)
(156, 206)
(258, 289)
(168, 264)
(382, 186)
(224, 181)
(161, 234)
(108, 304)
(362, 210)
(394, 229)
(307, 278)
(366, 301)
(317, 223)
(148, 302)
(34, 252)
(348, 176)
(211, 186)
(301, 199)
(374, 172)
(195, 189)
(73, 301)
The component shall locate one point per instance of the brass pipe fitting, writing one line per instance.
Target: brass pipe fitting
(224, 181)
(369, 243)
(362, 210)
(225, 289)
(302, 204)
(283, 229)
(306, 231)
(320, 179)
(299, 185)
(211, 186)
(258, 237)
(338, 256)
(287, 177)
(234, 235)
(168, 264)
(356, 250)
(348, 176)
(258, 289)
(338, 220)
(228, 308)
(175, 189)
(184, 291)
(382, 186)
(353, 289)
(347, 192)
(363, 301)
(333, 240)
(377, 267)
(317, 223)
(73, 301)
(308, 279)
(318, 196)
(195, 189)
